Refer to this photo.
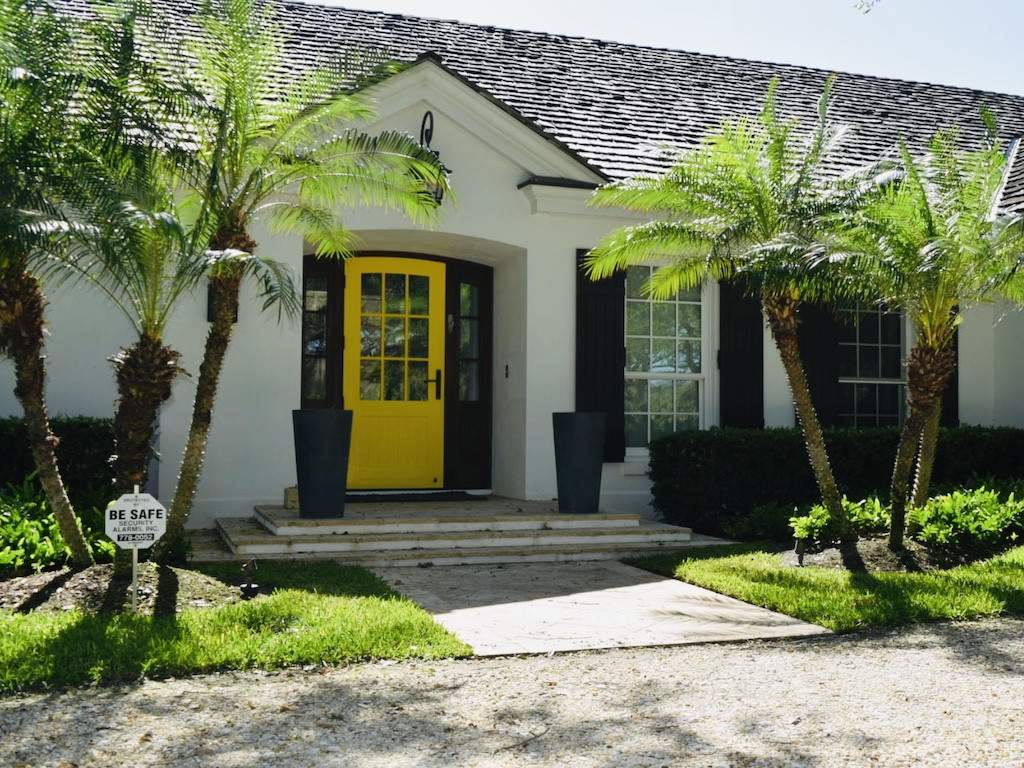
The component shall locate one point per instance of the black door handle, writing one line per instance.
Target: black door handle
(436, 381)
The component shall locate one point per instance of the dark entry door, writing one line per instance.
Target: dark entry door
(469, 389)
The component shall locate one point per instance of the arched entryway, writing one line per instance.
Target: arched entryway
(405, 341)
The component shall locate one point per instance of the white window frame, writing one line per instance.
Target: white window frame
(708, 390)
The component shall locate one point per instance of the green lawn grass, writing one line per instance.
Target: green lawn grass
(318, 612)
(844, 601)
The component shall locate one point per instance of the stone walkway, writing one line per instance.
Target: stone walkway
(553, 607)
(926, 697)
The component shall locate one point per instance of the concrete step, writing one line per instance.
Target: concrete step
(282, 521)
(463, 556)
(247, 537)
(206, 545)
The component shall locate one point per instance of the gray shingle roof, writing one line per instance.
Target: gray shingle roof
(1013, 190)
(617, 106)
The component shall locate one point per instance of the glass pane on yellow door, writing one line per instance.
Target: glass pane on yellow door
(369, 380)
(419, 336)
(394, 380)
(417, 380)
(394, 294)
(394, 337)
(371, 286)
(370, 336)
(419, 295)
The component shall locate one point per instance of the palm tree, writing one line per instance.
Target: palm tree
(37, 87)
(139, 257)
(748, 205)
(268, 151)
(934, 246)
(87, 141)
(139, 252)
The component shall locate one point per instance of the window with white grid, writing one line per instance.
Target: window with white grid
(664, 366)
(872, 349)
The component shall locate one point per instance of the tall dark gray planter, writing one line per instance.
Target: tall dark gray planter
(579, 454)
(322, 439)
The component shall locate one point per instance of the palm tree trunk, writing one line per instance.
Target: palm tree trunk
(145, 373)
(21, 338)
(225, 289)
(926, 456)
(782, 314)
(906, 451)
(928, 370)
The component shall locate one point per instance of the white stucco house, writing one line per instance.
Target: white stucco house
(529, 123)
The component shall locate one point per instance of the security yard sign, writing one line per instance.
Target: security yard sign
(135, 521)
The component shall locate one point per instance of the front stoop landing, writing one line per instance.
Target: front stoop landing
(493, 530)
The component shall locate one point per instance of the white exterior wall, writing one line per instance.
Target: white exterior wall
(84, 330)
(977, 366)
(530, 238)
(992, 366)
(778, 402)
(251, 435)
(1008, 397)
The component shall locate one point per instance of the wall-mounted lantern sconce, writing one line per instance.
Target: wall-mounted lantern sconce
(426, 134)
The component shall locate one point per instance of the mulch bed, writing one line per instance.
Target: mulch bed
(870, 555)
(162, 590)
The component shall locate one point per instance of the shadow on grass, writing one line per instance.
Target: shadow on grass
(329, 614)
(847, 600)
(82, 648)
(322, 577)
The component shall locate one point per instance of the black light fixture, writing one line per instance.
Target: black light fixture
(426, 135)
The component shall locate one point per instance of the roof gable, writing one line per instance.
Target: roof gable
(500, 125)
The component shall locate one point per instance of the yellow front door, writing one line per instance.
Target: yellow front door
(394, 372)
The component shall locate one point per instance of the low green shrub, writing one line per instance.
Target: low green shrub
(707, 479)
(960, 526)
(83, 452)
(30, 539)
(968, 525)
(816, 529)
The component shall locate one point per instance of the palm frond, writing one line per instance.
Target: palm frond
(291, 150)
(750, 202)
(654, 242)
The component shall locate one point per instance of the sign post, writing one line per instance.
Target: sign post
(135, 521)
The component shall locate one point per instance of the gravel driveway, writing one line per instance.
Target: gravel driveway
(944, 694)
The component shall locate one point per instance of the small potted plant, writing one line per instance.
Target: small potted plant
(322, 440)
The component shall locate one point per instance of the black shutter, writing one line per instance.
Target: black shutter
(951, 397)
(601, 353)
(819, 349)
(740, 358)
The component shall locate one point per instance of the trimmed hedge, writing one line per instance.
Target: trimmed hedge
(707, 479)
(83, 453)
